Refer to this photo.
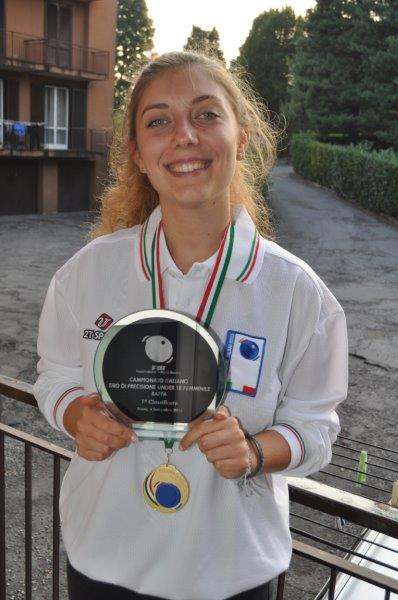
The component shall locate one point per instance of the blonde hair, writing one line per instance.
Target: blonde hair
(130, 198)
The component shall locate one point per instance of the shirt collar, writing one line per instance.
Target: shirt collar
(247, 255)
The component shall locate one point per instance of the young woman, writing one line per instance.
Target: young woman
(187, 178)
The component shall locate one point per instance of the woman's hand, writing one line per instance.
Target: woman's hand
(222, 441)
(97, 435)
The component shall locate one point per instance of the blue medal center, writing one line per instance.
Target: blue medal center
(168, 495)
(249, 349)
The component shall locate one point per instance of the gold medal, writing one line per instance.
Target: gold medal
(166, 489)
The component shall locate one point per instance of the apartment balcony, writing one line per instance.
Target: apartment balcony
(22, 52)
(31, 140)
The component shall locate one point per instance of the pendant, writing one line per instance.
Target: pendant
(166, 489)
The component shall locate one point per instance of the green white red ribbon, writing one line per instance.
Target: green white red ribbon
(152, 271)
(214, 285)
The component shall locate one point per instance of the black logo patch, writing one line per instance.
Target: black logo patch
(93, 334)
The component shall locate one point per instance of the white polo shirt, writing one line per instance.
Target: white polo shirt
(223, 541)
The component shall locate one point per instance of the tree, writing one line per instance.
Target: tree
(266, 51)
(343, 70)
(382, 88)
(134, 38)
(205, 41)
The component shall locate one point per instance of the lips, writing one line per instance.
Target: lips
(188, 166)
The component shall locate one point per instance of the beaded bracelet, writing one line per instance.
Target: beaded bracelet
(260, 455)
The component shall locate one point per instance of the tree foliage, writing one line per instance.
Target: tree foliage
(345, 71)
(205, 41)
(134, 38)
(266, 51)
(382, 88)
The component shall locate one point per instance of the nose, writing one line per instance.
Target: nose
(184, 133)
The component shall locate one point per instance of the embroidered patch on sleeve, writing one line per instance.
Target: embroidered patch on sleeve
(244, 355)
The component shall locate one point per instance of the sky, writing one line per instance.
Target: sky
(173, 20)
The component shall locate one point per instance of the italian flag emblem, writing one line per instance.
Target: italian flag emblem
(244, 354)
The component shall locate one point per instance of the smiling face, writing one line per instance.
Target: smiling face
(188, 138)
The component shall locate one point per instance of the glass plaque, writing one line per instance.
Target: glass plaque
(158, 370)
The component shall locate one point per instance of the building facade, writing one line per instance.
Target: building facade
(56, 102)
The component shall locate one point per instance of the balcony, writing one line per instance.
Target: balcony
(19, 138)
(23, 52)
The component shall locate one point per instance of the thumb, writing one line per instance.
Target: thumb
(91, 400)
(221, 413)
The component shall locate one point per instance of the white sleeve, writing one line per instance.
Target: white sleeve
(315, 382)
(60, 370)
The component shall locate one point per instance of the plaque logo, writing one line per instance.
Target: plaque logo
(158, 348)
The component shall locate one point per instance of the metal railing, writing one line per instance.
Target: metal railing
(20, 48)
(307, 492)
(27, 136)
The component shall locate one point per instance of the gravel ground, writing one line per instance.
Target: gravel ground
(355, 253)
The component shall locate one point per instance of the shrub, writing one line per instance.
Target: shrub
(354, 172)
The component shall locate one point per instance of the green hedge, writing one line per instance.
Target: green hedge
(354, 172)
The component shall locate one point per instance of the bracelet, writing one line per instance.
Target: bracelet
(257, 447)
(242, 480)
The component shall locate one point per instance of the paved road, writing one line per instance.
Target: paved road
(354, 252)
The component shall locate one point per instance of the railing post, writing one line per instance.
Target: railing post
(28, 521)
(332, 584)
(2, 520)
(56, 523)
(281, 586)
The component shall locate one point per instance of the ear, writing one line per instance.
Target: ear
(135, 155)
(242, 143)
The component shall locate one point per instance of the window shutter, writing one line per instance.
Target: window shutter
(78, 119)
(37, 114)
(2, 29)
(11, 99)
(37, 102)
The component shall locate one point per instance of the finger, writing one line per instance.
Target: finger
(230, 468)
(222, 412)
(107, 439)
(196, 432)
(106, 424)
(207, 427)
(224, 452)
(208, 414)
(113, 412)
(91, 400)
(89, 454)
(95, 424)
(224, 437)
(89, 444)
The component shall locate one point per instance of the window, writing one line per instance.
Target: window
(1, 113)
(56, 118)
(59, 35)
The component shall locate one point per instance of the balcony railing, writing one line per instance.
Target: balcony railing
(26, 136)
(309, 493)
(18, 49)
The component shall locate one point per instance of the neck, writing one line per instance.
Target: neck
(194, 235)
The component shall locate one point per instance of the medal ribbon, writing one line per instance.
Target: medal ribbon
(214, 285)
(215, 282)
